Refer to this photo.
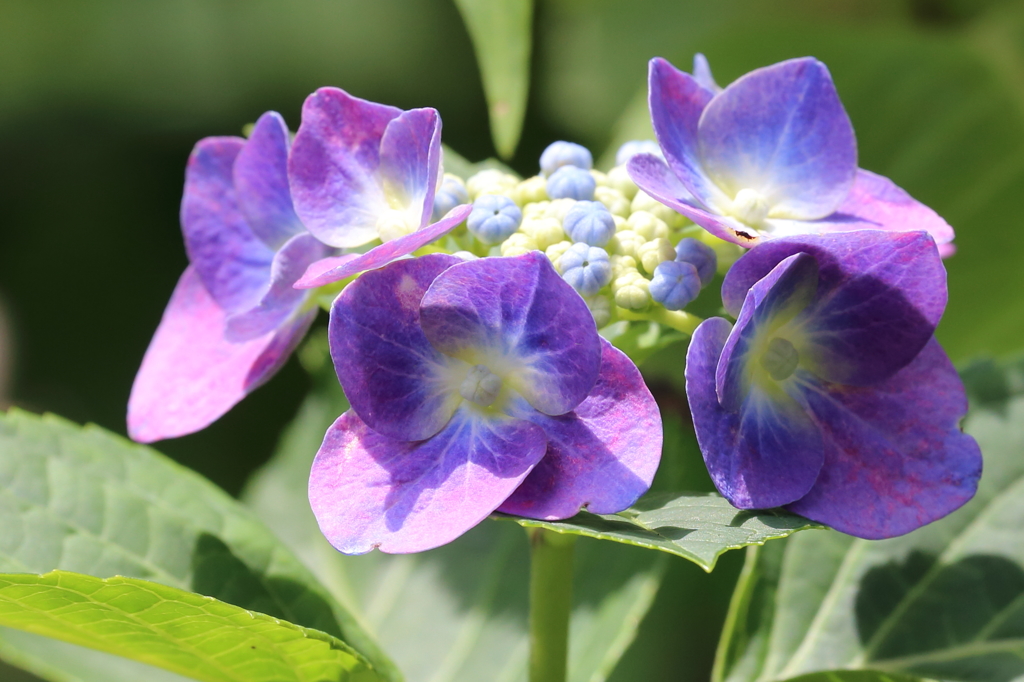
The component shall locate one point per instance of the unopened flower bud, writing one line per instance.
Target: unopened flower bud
(543, 231)
(621, 265)
(645, 202)
(555, 251)
(561, 153)
(585, 268)
(613, 200)
(490, 181)
(601, 309)
(618, 178)
(559, 208)
(626, 243)
(655, 252)
(589, 222)
(630, 149)
(675, 284)
(494, 218)
(451, 193)
(633, 295)
(530, 191)
(600, 179)
(517, 245)
(647, 225)
(570, 182)
(536, 210)
(699, 255)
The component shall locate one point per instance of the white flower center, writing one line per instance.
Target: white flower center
(749, 206)
(394, 223)
(481, 386)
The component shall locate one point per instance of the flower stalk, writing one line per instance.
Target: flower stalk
(550, 603)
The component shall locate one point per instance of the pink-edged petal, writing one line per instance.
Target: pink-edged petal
(342, 267)
(518, 317)
(895, 458)
(333, 167)
(781, 131)
(281, 299)
(410, 155)
(232, 262)
(677, 100)
(261, 181)
(652, 176)
(765, 454)
(881, 295)
(394, 379)
(370, 491)
(191, 375)
(602, 456)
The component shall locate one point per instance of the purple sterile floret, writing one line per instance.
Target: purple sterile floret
(562, 153)
(589, 222)
(586, 268)
(463, 376)
(773, 154)
(570, 182)
(675, 284)
(234, 317)
(830, 394)
(494, 218)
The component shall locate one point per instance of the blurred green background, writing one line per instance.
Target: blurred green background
(101, 102)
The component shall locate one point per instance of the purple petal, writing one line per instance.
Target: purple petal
(772, 302)
(191, 375)
(328, 271)
(702, 74)
(261, 180)
(392, 376)
(766, 454)
(334, 164)
(281, 299)
(369, 491)
(895, 458)
(652, 176)
(782, 131)
(410, 154)
(677, 101)
(518, 317)
(232, 262)
(881, 294)
(602, 456)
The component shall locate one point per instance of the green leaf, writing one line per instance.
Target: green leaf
(84, 500)
(458, 612)
(696, 526)
(945, 602)
(501, 35)
(854, 676)
(180, 631)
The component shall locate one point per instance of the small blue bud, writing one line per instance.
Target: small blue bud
(675, 284)
(570, 182)
(494, 218)
(699, 255)
(630, 149)
(452, 193)
(563, 153)
(586, 268)
(589, 222)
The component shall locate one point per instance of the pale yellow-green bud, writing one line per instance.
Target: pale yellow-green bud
(621, 265)
(632, 292)
(530, 190)
(647, 225)
(536, 210)
(555, 251)
(618, 178)
(645, 202)
(600, 308)
(613, 200)
(655, 252)
(620, 223)
(558, 208)
(517, 245)
(544, 231)
(599, 178)
(626, 243)
(490, 181)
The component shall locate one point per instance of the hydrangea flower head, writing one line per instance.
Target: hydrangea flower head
(234, 317)
(830, 395)
(475, 386)
(361, 172)
(773, 154)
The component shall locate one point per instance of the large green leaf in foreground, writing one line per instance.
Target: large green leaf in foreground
(194, 635)
(458, 612)
(82, 499)
(946, 601)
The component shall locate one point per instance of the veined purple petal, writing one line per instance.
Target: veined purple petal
(895, 458)
(370, 491)
(781, 131)
(326, 272)
(768, 453)
(772, 302)
(334, 164)
(281, 299)
(191, 375)
(394, 379)
(881, 295)
(232, 262)
(601, 456)
(261, 181)
(410, 154)
(652, 176)
(677, 100)
(520, 319)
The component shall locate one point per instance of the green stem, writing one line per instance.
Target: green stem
(550, 603)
